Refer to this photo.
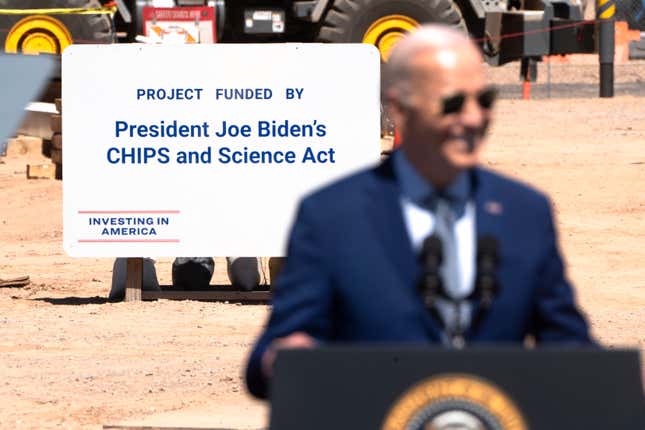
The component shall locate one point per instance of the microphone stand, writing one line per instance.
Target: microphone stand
(486, 285)
(457, 339)
(431, 285)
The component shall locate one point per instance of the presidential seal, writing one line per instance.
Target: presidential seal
(454, 402)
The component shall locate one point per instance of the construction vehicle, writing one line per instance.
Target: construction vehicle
(54, 27)
(506, 30)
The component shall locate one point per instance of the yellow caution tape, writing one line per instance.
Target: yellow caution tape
(61, 11)
(602, 2)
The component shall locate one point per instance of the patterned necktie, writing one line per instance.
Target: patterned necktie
(456, 317)
(445, 229)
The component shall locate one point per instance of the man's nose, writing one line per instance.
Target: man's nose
(472, 114)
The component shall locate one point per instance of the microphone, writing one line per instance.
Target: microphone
(486, 285)
(430, 284)
(431, 287)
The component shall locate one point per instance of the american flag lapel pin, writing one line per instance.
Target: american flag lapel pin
(494, 208)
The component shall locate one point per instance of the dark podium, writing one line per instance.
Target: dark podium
(474, 389)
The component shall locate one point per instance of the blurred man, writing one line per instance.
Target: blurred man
(353, 266)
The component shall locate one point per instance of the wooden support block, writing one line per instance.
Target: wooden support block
(133, 279)
(41, 171)
(129, 427)
(56, 123)
(276, 264)
(59, 105)
(57, 141)
(209, 295)
(56, 155)
(23, 145)
(18, 281)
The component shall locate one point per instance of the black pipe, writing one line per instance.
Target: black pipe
(605, 11)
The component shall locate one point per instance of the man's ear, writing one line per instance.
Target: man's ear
(395, 106)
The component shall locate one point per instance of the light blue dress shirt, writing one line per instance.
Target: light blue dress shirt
(420, 222)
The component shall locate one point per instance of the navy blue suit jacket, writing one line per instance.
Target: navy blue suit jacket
(351, 273)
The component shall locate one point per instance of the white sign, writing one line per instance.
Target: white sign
(205, 150)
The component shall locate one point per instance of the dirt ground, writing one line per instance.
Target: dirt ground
(70, 359)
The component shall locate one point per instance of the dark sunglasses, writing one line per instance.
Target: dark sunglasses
(455, 103)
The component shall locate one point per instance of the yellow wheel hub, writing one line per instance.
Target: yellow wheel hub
(36, 34)
(385, 32)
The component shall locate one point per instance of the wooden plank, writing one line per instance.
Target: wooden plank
(59, 105)
(219, 296)
(56, 123)
(57, 141)
(133, 279)
(56, 155)
(213, 287)
(18, 281)
(41, 171)
(276, 264)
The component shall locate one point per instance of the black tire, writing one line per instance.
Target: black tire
(82, 28)
(348, 20)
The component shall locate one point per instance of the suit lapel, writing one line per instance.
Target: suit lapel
(489, 211)
(386, 217)
(489, 208)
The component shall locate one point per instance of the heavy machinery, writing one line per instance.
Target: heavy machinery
(506, 30)
(46, 31)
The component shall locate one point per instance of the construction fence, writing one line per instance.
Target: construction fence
(577, 78)
(633, 12)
